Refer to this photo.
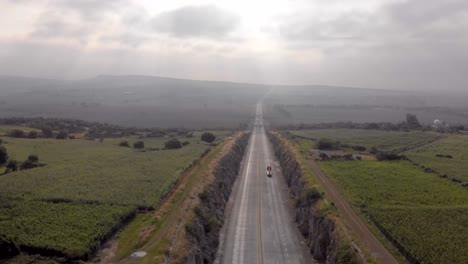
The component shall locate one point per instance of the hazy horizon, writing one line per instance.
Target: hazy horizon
(388, 44)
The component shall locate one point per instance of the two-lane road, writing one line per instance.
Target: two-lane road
(261, 227)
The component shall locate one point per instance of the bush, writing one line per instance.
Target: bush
(389, 156)
(326, 143)
(208, 137)
(323, 156)
(359, 148)
(12, 166)
(17, 133)
(173, 144)
(125, 144)
(33, 158)
(3, 155)
(32, 134)
(139, 145)
(31, 162)
(47, 132)
(62, 135)
(314, 194)
(27, 164)
(185, 143)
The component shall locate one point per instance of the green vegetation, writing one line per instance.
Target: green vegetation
(387, 191)
(453, 145)
(420, 212)
(325, 143)
(208, 137)
(59, 228)
(87, 190)
(139, 145)
(381, 140)
(173, 144)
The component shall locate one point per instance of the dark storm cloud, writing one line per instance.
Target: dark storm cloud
(196, 21)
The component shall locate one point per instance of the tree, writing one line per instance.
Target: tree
(412, 121)
(139, 145)
(3, 155)
(47, 132)
(17, 133)
(62, 135)
(125, 144)
(173, 144)
(208, 137)
(12, 166)
(32, 134)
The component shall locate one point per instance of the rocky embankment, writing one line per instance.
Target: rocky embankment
(203, 230)
(322, 234)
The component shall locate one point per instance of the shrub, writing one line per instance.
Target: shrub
(185, 143)
(359, 148)
(27, 164)
(389, 156)
(323, 156)
(11, 166)
(124, 144)
(208, 137)
(173, 144)
(3, 155)
(47, 132)
(325, 143)
(32, 134)
(314, 194)
(139, 145)
(33, 158)
(31, 162)
(62, 135)
(17, 133)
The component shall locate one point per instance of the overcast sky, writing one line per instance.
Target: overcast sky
(399, 44)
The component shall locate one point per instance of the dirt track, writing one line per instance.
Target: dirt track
(363, 234)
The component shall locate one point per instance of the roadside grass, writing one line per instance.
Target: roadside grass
(87, 184)
(159, 227)
(393, 141)
(409, 206)
(455, 167)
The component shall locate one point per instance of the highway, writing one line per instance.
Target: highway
(260, 227)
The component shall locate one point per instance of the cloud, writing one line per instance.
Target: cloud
(196, 21)
(90, 9)
(350, 26)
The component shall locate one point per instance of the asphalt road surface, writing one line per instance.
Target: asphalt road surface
(260, 227)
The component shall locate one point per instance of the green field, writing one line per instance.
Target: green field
(455, 168)
(382, 140)
(93, 184)
(74, 230)
(423, 214)
(410, 206)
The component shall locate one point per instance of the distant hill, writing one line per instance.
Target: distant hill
(151, 101)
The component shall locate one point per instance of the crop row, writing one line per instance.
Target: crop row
(59, 229)
(426, 235)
